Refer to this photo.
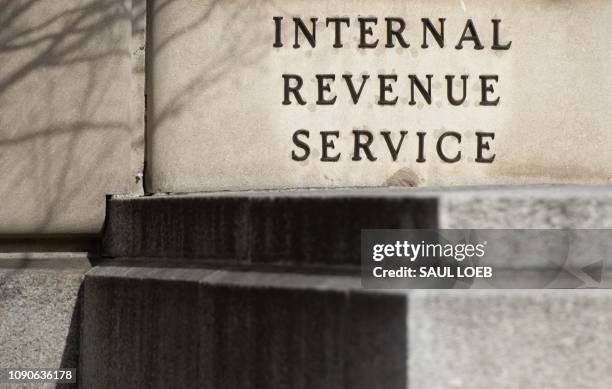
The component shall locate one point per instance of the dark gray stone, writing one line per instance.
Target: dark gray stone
(305, 227)
(323, 226)
(176, 327)
(176, 226)
(184, 322)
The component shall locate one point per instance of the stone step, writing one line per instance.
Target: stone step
(308, 226)
(510, 339)
(158, 327)
(192, 327)
(324, 226)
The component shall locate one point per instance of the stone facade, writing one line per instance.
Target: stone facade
(256, 283)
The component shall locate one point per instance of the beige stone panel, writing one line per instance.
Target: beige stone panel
(66, 120)
(217, 122)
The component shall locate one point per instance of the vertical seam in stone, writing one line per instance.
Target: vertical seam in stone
(148, 11)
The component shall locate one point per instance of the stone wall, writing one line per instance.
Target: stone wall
(220, 118)
(72, 100)
(71, 132)
(71, 112)
(236, 288)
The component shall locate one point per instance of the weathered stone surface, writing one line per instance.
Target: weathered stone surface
(69, 134)
(305, 227)
(324, 226)
(217, 121)
(194, 327)
(530, 207)
(506, 339)
(40, 310)
(577, 208)
(185, 327)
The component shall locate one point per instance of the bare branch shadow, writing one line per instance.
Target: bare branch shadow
(63, 119)
(226, 57)
(57, 91)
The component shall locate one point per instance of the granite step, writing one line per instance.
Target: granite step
(158, 327)
(324, 226)
(307, 227)
(195, 327)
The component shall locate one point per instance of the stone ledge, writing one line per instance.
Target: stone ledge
(162, 327)
(510, 339)
(207, 328)
(306, 227)
(527, 207)
(323, 226)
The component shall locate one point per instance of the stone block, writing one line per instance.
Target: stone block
(303, 227)
(510, 339)
(40, 310)
(528, 207)
(323, 227)
(67, 117)
(220, 119)
(153, 326)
